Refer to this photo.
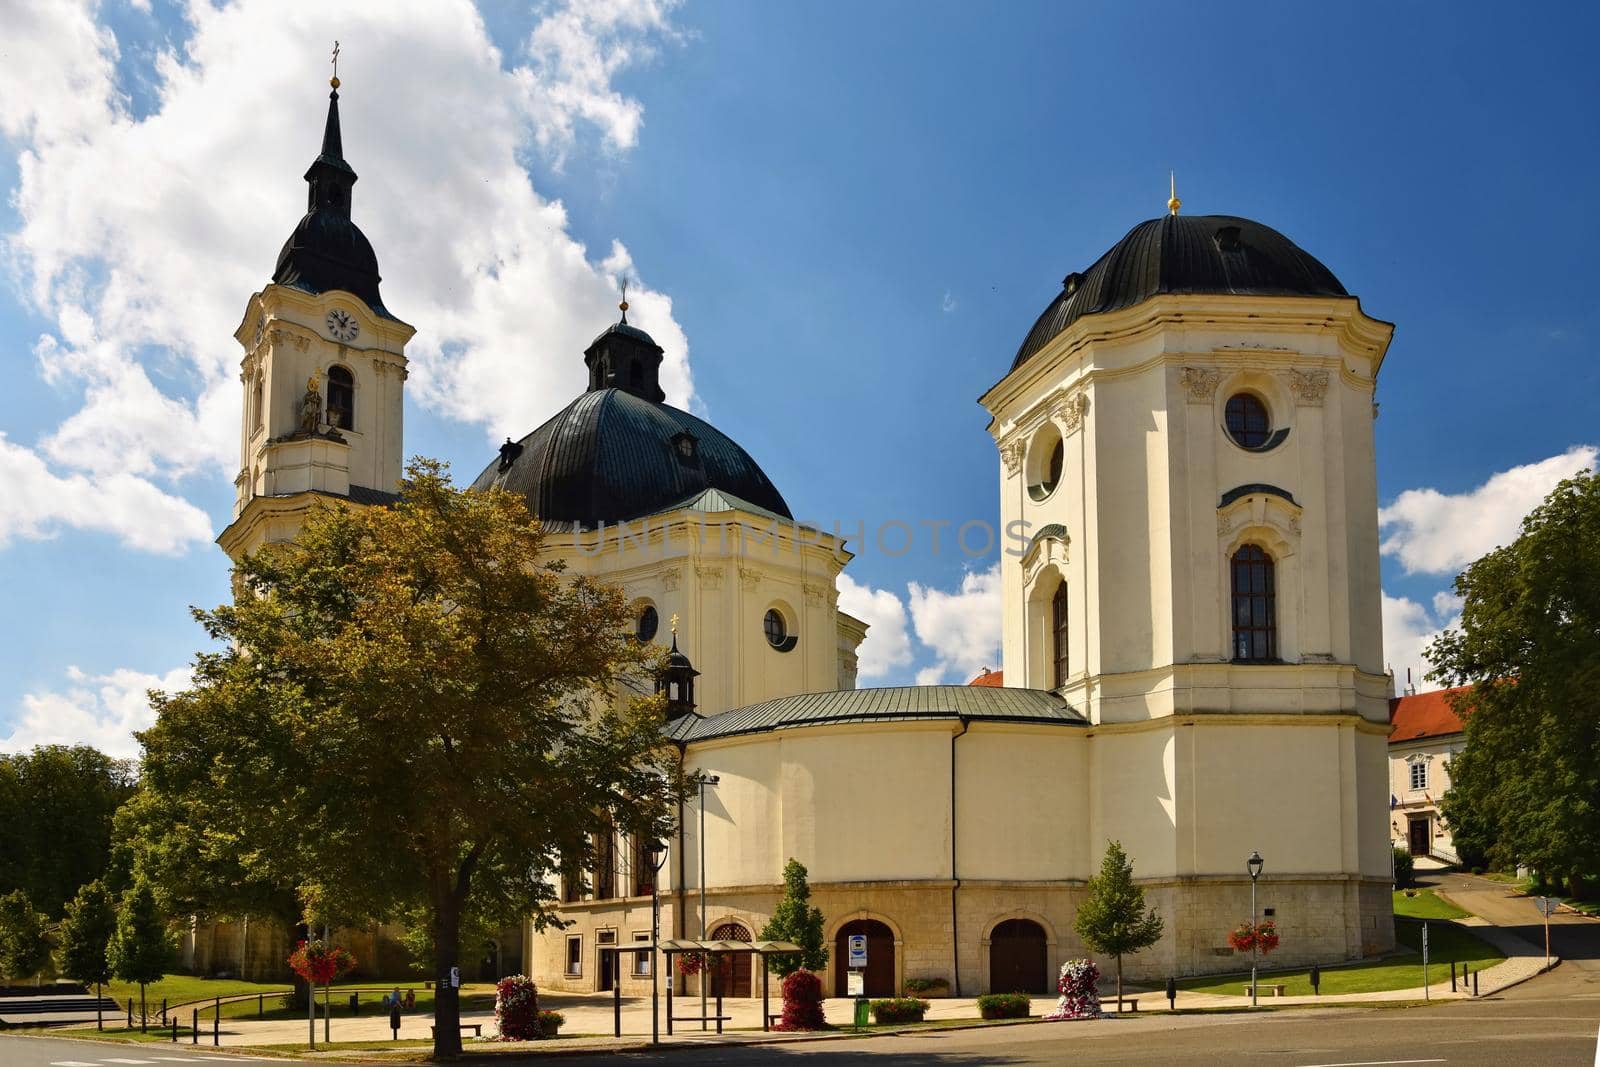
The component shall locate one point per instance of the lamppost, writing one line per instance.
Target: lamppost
(710, 779)
(656, 855)
(1253, 865)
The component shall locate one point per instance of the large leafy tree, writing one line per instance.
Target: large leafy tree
(415, 708)
(1112, 918)
(141, 949)
(796, 919)
(84, 941)
(51, 795)
(1526, 787)
(23, 948)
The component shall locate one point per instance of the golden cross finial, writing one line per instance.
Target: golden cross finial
(623, 284)
(674, 624)
(1173, 203)
(334, 81)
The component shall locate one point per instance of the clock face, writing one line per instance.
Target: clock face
(342, 325)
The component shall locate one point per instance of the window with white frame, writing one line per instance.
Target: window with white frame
(574, 955)
(641, 960)
(1419, 774)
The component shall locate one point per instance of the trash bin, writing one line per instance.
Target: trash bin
(863, 1011)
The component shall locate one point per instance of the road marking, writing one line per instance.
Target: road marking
(1373, 1063)
(127, 1061)
(71, 1063)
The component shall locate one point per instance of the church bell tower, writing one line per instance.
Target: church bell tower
(323, 371)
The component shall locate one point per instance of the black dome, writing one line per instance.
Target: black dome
(612, 456)
(1183, 254)
(327, 251)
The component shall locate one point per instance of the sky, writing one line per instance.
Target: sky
(839, 220)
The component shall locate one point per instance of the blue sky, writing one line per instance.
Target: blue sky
(843, 219)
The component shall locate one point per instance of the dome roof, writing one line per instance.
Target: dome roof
(612, 455)
(1220, 254)
(327, 251)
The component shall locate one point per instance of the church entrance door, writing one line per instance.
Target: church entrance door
(1019, 958)
(732, 974)
(1419, 836)
(880, 958)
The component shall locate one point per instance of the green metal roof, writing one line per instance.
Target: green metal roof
(896, 704)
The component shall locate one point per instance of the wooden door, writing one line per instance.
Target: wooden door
(732, 969)
(880, 958)
(1019, 958)
(1419, 836)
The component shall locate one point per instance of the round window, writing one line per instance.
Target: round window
(1247, 420)
(649, 622)
(1046, 456)
(777, 630)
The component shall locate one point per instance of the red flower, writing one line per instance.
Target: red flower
(320, 964)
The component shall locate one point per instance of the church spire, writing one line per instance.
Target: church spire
(329, 176)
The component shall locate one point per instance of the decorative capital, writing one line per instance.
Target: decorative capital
(816, 594)
(710, 575)
(1308, 386)
(1011, 455)
(749, 577)
(1071, 409)
(1201, 382)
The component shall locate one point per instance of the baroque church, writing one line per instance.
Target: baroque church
(1191, 641)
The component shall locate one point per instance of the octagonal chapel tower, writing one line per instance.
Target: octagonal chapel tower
(323, 372)
(1187, 483)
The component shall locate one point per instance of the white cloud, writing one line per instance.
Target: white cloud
(962, 628)
(948, 304)
(1408, 629)
(888, 644)
(99, 710)
(142, 237)
(1437, 533)
(36, 503)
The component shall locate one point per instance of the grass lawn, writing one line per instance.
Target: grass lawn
(475, 996)
(1425, 905)
(1447, 943)
(178, 988)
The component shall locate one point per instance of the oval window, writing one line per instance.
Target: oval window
(1046, 456)
(776, 629)
(649, 622)
(1247, 420)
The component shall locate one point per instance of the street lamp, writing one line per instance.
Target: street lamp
(1253, 865)
(710, 779)
(655, 854)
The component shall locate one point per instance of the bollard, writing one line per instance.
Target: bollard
(1316, 980)
(174, 1029)
(616, 999)
(719, 1007)
(194, 1028)
(394, 1019)
(163, 1011)
(216, 1024)
(1452, 976)
(1172, 994)
(1475, 982)
(261, 1010)
(130, 1013)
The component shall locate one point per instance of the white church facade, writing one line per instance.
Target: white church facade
(1192, 642)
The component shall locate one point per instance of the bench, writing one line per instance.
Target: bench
(773, 1017)
(1275, 988)
(476, 1028)
(1132, 1002)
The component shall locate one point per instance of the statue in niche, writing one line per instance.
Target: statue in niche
(311, 408)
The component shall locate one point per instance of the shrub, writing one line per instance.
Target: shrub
(551, 1022)
(516, 1009)
(802, 1002)
(1404, 868)
(899, 1010)
(937, 987)
(1003, 1006)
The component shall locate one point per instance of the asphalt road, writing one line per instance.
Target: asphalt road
(1551, 1021)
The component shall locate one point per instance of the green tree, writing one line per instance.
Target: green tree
(796, 919)
(83, 950)
(55, 794)
(415, 707)
(141, 949)
(24, 949)
(1526, 786)
(1112, 918)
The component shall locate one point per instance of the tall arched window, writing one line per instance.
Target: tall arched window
(1058, 633)
(341, 398)
(1255, 613)
(257, 405)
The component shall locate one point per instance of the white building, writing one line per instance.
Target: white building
(1425, 734)
(1191, 640)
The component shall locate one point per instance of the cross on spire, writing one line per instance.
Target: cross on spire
(623, 284)
(334, 81)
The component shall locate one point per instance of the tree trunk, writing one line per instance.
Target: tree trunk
(143, 1015)
(446, 997)
(1119, 983)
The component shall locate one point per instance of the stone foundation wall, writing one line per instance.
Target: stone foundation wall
(1321, 919)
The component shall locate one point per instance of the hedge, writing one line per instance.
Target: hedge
(1004, 1006)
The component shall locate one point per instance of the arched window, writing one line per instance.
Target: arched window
(341, 399)
(1058, 633)
(257, 405)
(1255, 613)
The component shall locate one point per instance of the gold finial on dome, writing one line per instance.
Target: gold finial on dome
(623, 306)
(674, 624)
(334, 81)
(1173, 203)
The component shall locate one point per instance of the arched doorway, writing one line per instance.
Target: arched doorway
(880, 958)
(732, 974)
(1019, 958)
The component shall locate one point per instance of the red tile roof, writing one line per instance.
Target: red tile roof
(1423, 715)
(988, 677)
